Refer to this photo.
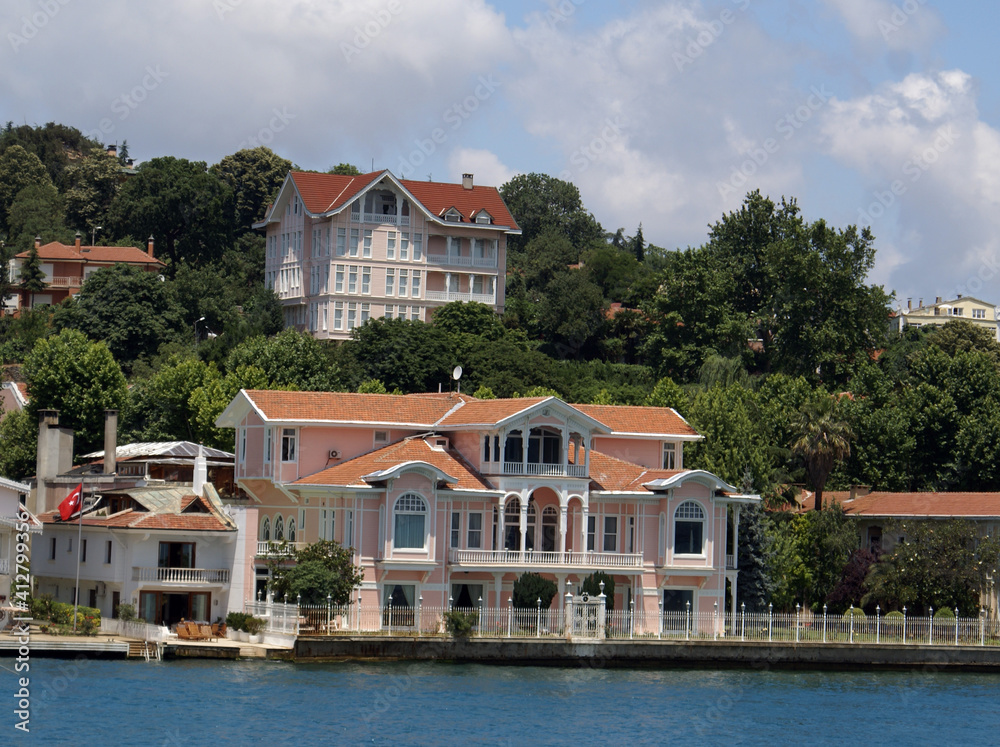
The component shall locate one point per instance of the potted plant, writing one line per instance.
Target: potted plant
(254, 628)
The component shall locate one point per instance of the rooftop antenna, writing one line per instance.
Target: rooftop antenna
(457, 376)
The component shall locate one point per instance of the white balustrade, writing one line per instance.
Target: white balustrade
(455, 260)
(540, 558)
(267, 548)
(448, 296)
(182, 575)
(5, 566)
(391, 220)
(537, 469)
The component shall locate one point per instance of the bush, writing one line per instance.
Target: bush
(894, 615)
(253, 625)
(126, 612)
(945, 613)
(237, 620)
(529, 588)
(592, 585)
(460, 624)
(857, 612)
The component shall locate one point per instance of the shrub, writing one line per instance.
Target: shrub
(529, 588)
(592, 585)
(253, 625)
(944, 612)
(857, 612)
(237, 620)
(126, 612)
(460, 624)
(894, 615)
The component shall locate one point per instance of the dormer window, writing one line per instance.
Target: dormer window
(453, 216)
(484, 218)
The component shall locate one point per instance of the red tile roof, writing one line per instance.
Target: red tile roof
(56, 252)
(646, 420)
(487, 411)
(188, 520)
(322, 193)
(610, 473)
(345, 407)
(450, 462)
(936, 505)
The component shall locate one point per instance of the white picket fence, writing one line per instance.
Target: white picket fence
(507, 622)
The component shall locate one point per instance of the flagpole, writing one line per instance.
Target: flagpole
(79, 553)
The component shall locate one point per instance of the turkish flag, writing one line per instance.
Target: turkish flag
(72, 503)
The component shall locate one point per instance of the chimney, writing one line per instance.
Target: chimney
(200, 473)
(149, 246)
(937, 299)
(466, 181)
(959, 295)
(38, 242)
(113, 151)
(909, 304)
(55, 457)
(77, 244)
(860, 491)
(921, 304)
(110, 442)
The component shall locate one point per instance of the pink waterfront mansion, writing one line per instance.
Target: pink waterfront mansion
(448, 497)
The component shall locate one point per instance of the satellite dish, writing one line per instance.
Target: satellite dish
(457, 373)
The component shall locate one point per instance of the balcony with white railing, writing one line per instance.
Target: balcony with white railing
(380, 218)
(730, 562)
(535, 559)
(278, 549)
(5, 566)
(454, 260)
(60, 281)
(448, 296)
(535, 469)
(186, 576)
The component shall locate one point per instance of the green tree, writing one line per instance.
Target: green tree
(32, 276)
(345, 169)
(321, 569)
(19, 170)
(289, 359)
(540, 202)
(755, 584)
(529, 588)
(821, 439)
(667, 394)
(592, 585)
(961, 336)
(187, 209)
(570, 315)
(91, 187)
(407, 355)
(254, 176)
(18, 445)
(79, 378)
(36, 211)
(132, 310)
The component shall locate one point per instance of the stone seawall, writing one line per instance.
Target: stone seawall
(611, 654)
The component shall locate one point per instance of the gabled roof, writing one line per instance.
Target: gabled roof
(412, 453)
(324, 194)
(56, 252)
(17, 487)
(647, 421)
(19, 391)
(612, 474)
(164, 449)
(165, 509)
(916, 505)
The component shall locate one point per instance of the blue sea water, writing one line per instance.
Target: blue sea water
(209, 702)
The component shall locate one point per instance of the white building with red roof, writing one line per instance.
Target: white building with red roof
(448, 498)
(344, 249)
(66, 267)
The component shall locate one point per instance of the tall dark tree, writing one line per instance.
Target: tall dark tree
(188, 210)
(638, 245)
(539, 202)
(19, 169)
(32, 276)
(821, 439)
(254, 175)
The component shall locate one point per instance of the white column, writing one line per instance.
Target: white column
(525, 436)
(583, 530)
(524, 522)
(736, 535)
(500, 525)
(447, 285)
(497, 584)
(563, 509)
(564, 438)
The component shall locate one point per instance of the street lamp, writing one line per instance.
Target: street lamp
(93, 234)
(196, 329)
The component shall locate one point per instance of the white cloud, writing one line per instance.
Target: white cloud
(903, 26)
(484, 165)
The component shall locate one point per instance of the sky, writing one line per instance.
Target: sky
(867, 112)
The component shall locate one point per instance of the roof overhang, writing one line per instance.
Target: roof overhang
(700, 476)
(413, 465)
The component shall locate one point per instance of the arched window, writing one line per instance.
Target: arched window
(265, 529)
(290, 533)
(279, 529)
(689, 529)
(512, 525)
(529, 535)
(410, 521)
(550, 520)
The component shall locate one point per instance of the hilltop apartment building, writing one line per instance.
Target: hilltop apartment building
(941, 312)
(344, 249)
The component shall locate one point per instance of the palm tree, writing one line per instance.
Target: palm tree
(821, 440)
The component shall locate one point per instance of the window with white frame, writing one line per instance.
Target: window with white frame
(455, 246)
(352, 316)
(389, 312)
(669, 456)
(243, 445)
(265, 529)
(390, 245)
(338, 281)
(290, 531)
(689, 529)
(415, 313)
(409, 522)
(456, 529)
(366, 281)
(404, 246)
(355, 237)
(366, 312)
(591, 532)
(979, 313)
(341, 242)
(288, 438)
(338, 315)
(415, 285)
(279, 529)
(267, 445)
(404, 283)
(367, 248)
(475, 539)
(352, 279)
(610, 534)
(418, 247)
(390, 282)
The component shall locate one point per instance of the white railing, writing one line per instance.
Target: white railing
(454, 260)
(268, 548)
(537, 558)
(59, 281)
(730, 562)
(537, 469)
(5, 566)
(487, 298)
(278, 617)
(182, 575)
(632, 623)
(143, 631)
(393, 220)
